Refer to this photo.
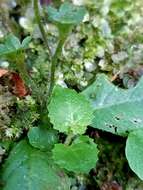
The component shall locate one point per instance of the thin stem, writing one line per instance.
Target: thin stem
(53, 66)
(40, 24)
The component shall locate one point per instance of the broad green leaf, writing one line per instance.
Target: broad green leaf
(42, 138)
(30, 169)
(116, 110)
(80, 157)
(69, 111)
(68, 14)
(12, 45)
(134, 151)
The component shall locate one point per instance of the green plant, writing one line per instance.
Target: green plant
(12, 49)
(53, 121)
(42, 160)
(119, 111)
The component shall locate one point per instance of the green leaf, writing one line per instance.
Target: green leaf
(12, 45)
(116, 110)
(12, 42)
(68, 14)
(25, 42)
(134, 152)
(69, 111)
(30, 169)
(42, 138)
(80, 157)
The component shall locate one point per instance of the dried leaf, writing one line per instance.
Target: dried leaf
(3, 72)
(19, 86)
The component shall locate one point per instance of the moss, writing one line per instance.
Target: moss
(6, 102)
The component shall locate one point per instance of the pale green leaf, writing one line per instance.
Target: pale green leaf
(3, 50)
(42, 138)
(67, 14)
(12, 45)
(25, 42)
(69, 111)
(116, 110)
(30, 169)
(80, 157)
(12, 42)
(134, 152)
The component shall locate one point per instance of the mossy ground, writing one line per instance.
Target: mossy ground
(109, 40)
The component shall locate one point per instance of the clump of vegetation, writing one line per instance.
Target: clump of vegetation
(6, 102)
(54, 132)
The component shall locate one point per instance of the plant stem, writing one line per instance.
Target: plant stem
(53, 66)
(20, 64)
(21, 67)
(40, 24)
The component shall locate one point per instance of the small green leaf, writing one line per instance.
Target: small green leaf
(12, 42)
(69, 111)
(116, 110)
(80, 157)
(68, 14)
(42, 138)
(25, 42)
(134, 152)
(12, 45)
(3, 50)
(30, 169)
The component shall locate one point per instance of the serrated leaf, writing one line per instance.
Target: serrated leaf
(116, 110)
(42, 138)
(134, 152)
(68, 14)
(80, 157)
(69, 111)
(29, 169)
